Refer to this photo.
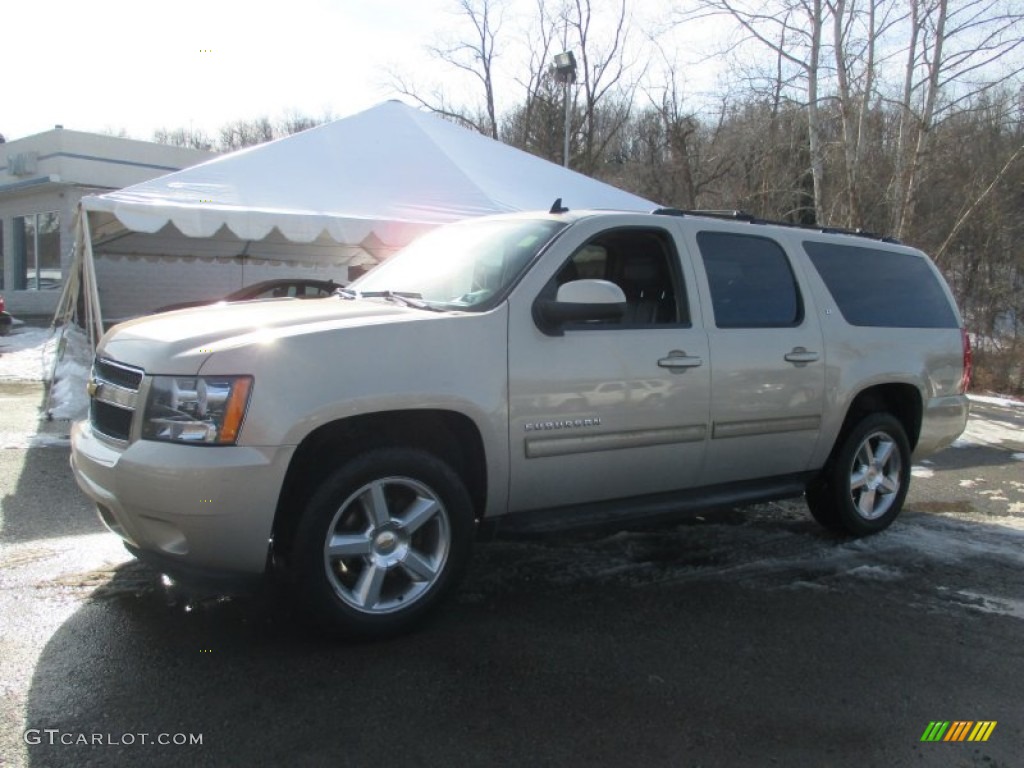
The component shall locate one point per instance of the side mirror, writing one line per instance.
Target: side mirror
(580, 301)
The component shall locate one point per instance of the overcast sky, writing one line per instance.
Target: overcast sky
(139, 65)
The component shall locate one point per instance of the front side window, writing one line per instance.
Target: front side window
(37, 251)
(751, 282)
(643, 263)
(467, 266)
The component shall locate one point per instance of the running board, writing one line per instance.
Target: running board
(650, 509)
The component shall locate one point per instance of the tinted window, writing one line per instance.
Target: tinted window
(752, 285)
(880, 288)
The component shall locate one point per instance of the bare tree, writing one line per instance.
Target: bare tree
(953, 54)
(674, 156)
(606, 93)
(241, 133)
(296, 122)
(532, 124)
(856, 34)
(476, 57)
(792, 31)
(246, 133)
(192, 138)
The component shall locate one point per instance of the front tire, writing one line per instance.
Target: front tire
(863, 486)
(381, 542)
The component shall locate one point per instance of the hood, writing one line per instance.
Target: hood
(179, 342)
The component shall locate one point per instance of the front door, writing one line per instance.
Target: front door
(608, 410)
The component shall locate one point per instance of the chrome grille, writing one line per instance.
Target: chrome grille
(116, 373)
(113, 391)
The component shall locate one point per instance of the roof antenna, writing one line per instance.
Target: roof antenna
(558, 207)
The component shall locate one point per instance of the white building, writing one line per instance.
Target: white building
(42, 178)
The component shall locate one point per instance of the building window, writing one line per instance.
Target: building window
(36, 254)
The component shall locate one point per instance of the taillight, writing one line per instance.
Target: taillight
(965, 380)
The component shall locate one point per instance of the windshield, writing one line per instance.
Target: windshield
(461, 266)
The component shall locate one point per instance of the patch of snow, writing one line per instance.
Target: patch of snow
(68, 396)
(993, 495)
(983, 432)
(25, 354)
(949, 540)
(24, 440)
(876, 573)
(923, 472)
(28, 355)
(1001, 400)
(51, 441)
(1003, 606)
(968, 483)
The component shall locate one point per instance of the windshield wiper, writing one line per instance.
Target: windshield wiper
(405, 298)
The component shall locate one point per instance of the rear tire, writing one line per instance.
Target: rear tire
(381, 542)
(863, 486)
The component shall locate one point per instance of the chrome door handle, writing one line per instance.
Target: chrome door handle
(800, 355)
(678, 360)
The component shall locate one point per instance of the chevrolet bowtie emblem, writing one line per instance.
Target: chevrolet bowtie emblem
(91, 387)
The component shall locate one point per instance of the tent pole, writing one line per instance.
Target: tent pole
(92, 299)
(65, 310)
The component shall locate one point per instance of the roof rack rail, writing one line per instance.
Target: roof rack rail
(858, 232)
(751, 219)
(723, 214)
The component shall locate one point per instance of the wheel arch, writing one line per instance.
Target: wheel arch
(449, 435)
(902, 400)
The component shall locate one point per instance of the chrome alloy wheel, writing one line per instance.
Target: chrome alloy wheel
(875, 476)
(387, 545)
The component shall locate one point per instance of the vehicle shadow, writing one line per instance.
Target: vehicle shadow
(972, 456)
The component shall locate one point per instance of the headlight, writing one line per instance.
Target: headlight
(196, 409)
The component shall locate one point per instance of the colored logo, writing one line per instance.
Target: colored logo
(958, 730)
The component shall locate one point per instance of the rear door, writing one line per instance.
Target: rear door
(606, 410)
(767, 354)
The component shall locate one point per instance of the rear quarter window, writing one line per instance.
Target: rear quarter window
(882, 289)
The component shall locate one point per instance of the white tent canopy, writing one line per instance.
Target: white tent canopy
(385, 174)
(345, 193)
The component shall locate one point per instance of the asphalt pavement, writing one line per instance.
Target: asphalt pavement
(734, 638)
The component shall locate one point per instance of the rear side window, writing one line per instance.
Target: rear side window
(752, 285)
(882, 289)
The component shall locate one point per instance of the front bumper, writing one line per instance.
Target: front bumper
(195, 508)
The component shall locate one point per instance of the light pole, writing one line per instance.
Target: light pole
(564, 70)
